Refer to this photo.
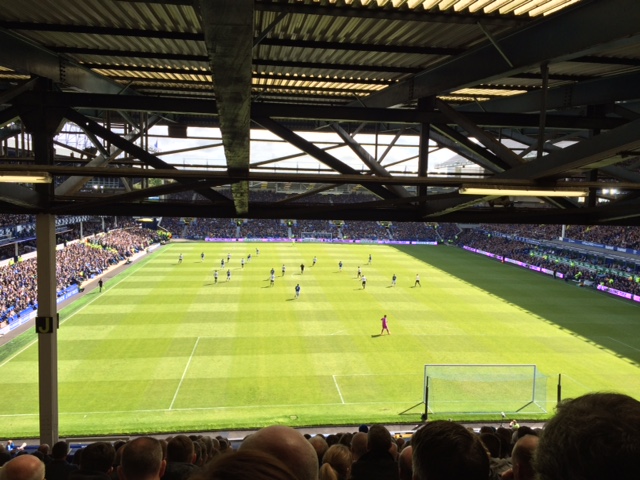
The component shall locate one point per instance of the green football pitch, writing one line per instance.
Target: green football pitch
(164, 349)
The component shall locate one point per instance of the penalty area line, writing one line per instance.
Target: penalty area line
(184, 374)
(338, 388)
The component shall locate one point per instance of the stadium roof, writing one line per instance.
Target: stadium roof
(540, 94)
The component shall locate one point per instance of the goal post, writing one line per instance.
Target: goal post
(484, 389)
(316, 236)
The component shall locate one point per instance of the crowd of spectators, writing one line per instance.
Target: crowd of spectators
(584, 268)
(357, 230)
(24, 241)
(591, 437)
(201, 228)
(11, 220)
(75, 263)
(17, 281)
(419, 231)
(625, 237)
(263, 228)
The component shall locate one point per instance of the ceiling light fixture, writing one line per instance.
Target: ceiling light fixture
(521, 192)
(25, 177)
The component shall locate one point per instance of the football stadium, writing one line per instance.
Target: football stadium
(194, 335)
(319, 239)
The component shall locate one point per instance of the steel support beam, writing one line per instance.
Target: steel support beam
(588, 151)
(317, 153)
(367, 159)
(133, 150)
(188, 106)
(499, 150)
(26, 57)
(228, 32)
(600, 91)
(567, 34)
(459, 144)
(73, 184)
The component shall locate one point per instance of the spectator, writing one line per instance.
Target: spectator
(4, 456)
(336, 463)
(378, 462)
(96, 463)
(320, 445)
(45, 450)
(180, 458)
(405, 467)
(358, 445)
(522, 459)
(59, 468)
(246, 465)
(287, 445)
(493, 445)
(592, 437)
(142, 459)
(23, 467)
(446, 450)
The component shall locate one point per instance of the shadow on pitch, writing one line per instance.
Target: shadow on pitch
(376, 336)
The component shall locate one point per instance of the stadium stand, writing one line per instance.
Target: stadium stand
(80, 261)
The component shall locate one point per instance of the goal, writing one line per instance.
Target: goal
(484, 389)
(317, 236)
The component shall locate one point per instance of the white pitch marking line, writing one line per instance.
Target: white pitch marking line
(184, 373)
(201, 409)
(338, 388)
(564, 375)
(625, 344)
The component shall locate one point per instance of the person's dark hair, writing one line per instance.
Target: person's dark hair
(345, 439)
(180, 449)
(524, 430)
(208, 444)
(39, 455)
(331, 439)
(197, 449)
(4, 457)
(378, 439)
(591, 437)
(445, 450)
(505, 441)
(118, 444)
(77, 456)
(247, 464)
(492, 443)
(141, 458)
(98, 456)
(60, 450)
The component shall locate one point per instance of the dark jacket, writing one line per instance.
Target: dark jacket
(89, 475)
(179, 470)
(59, 470)
(375, 466)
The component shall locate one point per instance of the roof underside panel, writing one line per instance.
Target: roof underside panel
(428, 96)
